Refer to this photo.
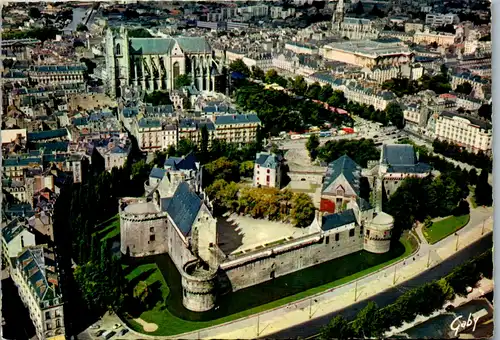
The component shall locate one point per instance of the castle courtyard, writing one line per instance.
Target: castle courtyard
(242, 234)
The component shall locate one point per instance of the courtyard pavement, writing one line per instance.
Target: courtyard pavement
(269, 322)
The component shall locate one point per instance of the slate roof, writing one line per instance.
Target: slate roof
(165, 45)
(149, 123)
(157, 173)
(52, 146)
(183, 208)
(363, 204)
(345, 166)
(268, 160)
(182, 163)
(333, 221)
(236, 119)
(11, 230)
(41, 135)
(40, 271)
(401, 158)
(129, 112)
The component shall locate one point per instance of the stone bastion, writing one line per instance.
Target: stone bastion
(198, 286)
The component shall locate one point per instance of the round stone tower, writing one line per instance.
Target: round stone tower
(198, 286)
(378, 233)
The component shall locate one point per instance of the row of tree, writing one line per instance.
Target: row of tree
(393, 114)
(269, 203)
(419, 198)
(360, 150)
(403, 86)
(373, 322)
(456, 152)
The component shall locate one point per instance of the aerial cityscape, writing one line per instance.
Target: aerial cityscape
(287, 169)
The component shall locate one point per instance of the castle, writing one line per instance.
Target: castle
(219, 255)
(150, 64)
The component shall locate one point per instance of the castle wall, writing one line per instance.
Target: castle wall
(143, 235)
(310, 177)
(312, 251)
(198, 287)
(177, 247)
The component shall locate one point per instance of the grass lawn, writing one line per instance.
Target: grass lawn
(109, 229)
(172, 318)
(440, 229)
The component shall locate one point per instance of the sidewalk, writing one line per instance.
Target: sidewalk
(282, 318)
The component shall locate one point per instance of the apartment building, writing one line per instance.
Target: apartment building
(154, 134)
(301, 48)
(368, 96)
(237, 128)
(191, 129)
(440, 38)
(470, 132)
(54, 74)
(15, 236)
(36, 277)
(476, 82)
(441, 19)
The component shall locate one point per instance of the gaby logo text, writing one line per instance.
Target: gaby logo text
(459, 324)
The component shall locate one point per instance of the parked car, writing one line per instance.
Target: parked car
(116, 326)
(100, 332)
(108, 334)
(123, 332)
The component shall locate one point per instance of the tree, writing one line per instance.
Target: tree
(182, 80)
(158, 98)
(312, 146)
(394, 114)
(365, 324)
(325, 93)
(81, 28)
(465, 88)
(239, 66)
(139, 33)
(303, 210)
(485, 111)
(338, 328)
(299, 85)
(337, 99)
(258, 73)
(359, 9)
(222, 168)
(483, 192)
(247, 168)
(377, 12)
(34, 13)
(185, 146)
(314, 91)
(171, 152)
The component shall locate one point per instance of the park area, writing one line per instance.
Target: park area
(440, 229)
(171, 318)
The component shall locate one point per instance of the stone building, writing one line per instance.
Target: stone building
(397, 162)
(150, 64)
(175, 218)
(37, 279)
(352, 28)
(268, 170)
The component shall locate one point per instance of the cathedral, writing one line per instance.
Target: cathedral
(350, 27)
(151, 64)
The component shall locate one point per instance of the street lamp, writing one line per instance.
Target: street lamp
(482, 230)
(458, 238)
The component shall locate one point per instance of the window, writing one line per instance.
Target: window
(151, 238)
(327, 240)
(152, 229)
(337, 237)
(47, 315)
(58, 323)
(351, 233)
(268, 171)
(268, 178)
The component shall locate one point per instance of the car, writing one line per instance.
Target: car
(116, 326)
(123, 332)
(376, 136)
(100, 332)
(95, 326)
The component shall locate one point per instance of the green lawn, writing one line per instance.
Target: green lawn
(109, 229)
(172, 318)
(440, 229)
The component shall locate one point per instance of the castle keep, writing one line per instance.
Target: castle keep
(217, 256)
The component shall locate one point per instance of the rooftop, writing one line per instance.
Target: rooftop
(166, 45)
(236, 119)
(183, 208)
(333, 221)
(268, 160)
(370, 48)
(345, 166)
